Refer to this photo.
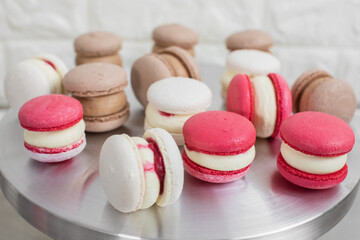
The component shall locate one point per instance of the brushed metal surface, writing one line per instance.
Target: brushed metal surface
(66, 200)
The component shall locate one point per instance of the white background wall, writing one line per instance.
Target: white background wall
(307, 33)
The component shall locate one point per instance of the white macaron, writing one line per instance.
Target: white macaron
(34, 77)
(174, 100)
(248, 61)
(138, 172)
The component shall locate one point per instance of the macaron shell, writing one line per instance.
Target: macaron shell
(175, 65)
(308, 180)
(332, 96)
(219, 133)
(302, 82)
(317, 133)
(210, 175)
(96, 44)
(57, 155)
(188, 61)
(58, 63)
(240, 97)
(283, 100)
(108, 122)
(174, 170)
(178, 137)
(114, 59)
(179, 95)
(174, 34)
(95, 79)
(33, 83)
(157, 49)
(121, 173)
(249, 39)
(50, 113)
(145, 71)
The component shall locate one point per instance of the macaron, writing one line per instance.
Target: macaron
(250, 39)
(248, 61)
(40, 75)
(98, 47)
(54, 127)
(265, 101)
(170, 62)
(174, 100)
(314, 150)
(219, 146)
(138, 172)
(174, 35)
(317, 90)
(100, 89)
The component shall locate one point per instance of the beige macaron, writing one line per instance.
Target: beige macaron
(169, 62)
(174, 35)
(99, 87)
(98, 47)
(317, 90)
(250, 39)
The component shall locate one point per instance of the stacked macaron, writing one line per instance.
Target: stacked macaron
(34, 77)
(54, 128)
(139, 172)
(317, 90)
(265, 101)
(174, 100)
(170, 62)
(219, 146)
(249, 39)
(248, 61)
(98, 47)
(174, 35)
(99, 87)
(314, 150)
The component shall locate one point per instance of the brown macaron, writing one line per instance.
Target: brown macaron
(317, 90)
(98, 47)
(99, 87)
(250, 39)
(169, 62)
(174, 35)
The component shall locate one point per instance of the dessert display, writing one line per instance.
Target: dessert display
(54, 127)
(170, 62)
(40, 75)
(248, 61)
(250, 39)
(100, 89)
(265, 101)
(98, 47)
(174, 100)
(317, 90)
(314, 150)
(138, 172)
(219, 146)
(174, 35)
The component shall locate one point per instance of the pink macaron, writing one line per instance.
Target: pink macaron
(54, 127)
(314, 150)
(264, 100)
(219, 146)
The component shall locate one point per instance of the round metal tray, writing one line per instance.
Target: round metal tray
(66, 200)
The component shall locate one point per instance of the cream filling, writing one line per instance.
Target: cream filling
(222, 163)
(265, 107)
(51, 74)
(173, 124)
(312, 164)
(152, 183)
(55, 139)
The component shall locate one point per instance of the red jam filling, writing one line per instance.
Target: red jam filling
(158, 162)
(50, 63)
(165, 114)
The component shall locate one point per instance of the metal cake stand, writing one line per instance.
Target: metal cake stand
(66, 200)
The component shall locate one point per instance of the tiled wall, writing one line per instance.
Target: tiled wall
(307, 33)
